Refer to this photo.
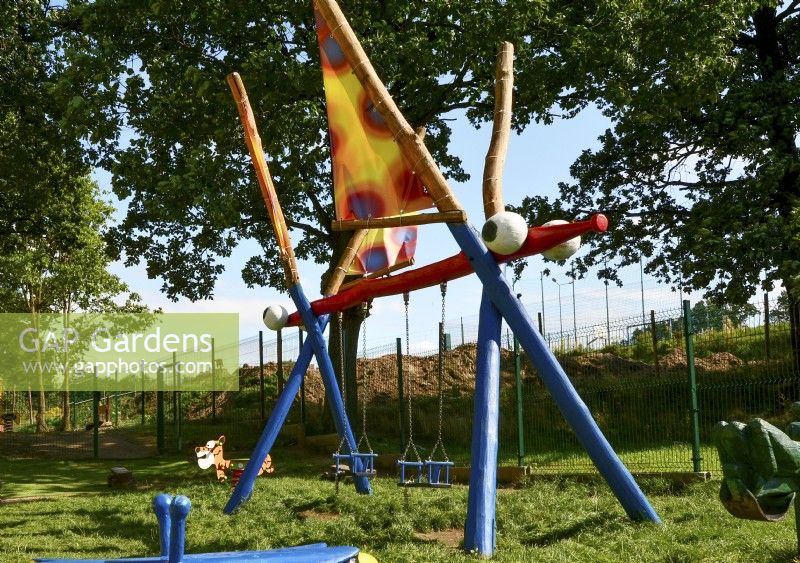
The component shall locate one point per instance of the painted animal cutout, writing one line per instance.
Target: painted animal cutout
(212, 455)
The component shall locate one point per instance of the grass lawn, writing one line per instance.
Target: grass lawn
(546, 520)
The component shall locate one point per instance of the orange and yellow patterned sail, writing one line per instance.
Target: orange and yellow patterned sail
(371, 178)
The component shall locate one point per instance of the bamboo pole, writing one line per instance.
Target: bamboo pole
(264, 179)
(339, 273)
(378, 273)
(455, 216)
(498, 147)
(411, 146)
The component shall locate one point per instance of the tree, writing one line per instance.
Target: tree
(63, 269)
(709, 316)
(700, 170)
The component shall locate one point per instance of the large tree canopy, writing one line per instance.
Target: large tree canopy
(700, 169)
(143, 84)
(698, 172)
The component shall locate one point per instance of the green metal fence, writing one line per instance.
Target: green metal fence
(632, 373)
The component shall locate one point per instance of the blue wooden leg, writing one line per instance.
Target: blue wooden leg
(178, 512)
(329, 379)
(244, 489)
(161, 504)
(479, 531)
(569, 402)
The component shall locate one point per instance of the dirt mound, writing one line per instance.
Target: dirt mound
(674, 359)
(601, 363)
(721, 361)
(379, 375)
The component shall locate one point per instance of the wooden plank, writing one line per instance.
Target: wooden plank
(339, 273)
(455, 216)
(264, 179)
(411, 145)
(498, 147)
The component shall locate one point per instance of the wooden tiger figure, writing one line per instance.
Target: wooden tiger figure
(212, 454)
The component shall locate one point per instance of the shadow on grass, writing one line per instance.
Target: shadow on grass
(594, 523)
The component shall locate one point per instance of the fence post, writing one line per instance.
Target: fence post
(766, 324)
(174, 387)
(654, 333)
(116, 399)
(178, 407)
(279, 359)
(74, 410)
(520, 427)
(213, 382)
(303, 384)
(695, 410)
(400, 399)
(462, 331)
(160, 411)
(95, 420)
(262, 407)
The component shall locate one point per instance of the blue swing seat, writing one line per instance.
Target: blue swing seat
(414, 480)
(361, 464)
(434, 470)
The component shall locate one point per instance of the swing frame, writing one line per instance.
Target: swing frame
(498, 302)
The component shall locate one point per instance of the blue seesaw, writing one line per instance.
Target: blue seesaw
(172, 513)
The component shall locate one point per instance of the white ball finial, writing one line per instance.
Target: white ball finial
(563, 250)
(275, 317)
(504, 232)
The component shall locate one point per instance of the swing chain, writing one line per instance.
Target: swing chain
(410, 444)
(364, 437)
(439, 440)
(340, 322)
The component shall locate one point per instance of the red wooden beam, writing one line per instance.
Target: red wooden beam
(458, 266)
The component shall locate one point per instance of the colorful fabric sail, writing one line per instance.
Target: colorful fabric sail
(371, 179)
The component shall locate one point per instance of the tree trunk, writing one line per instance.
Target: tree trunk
(346, 368)
(66, 410)
(353, 318)
(41, 409)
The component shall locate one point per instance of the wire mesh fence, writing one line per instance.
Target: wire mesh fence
(632, 374)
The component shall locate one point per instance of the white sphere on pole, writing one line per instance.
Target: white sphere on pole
(275, 317)
(563, 250)
(504, 232)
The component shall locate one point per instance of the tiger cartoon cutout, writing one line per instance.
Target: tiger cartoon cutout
(212, 455)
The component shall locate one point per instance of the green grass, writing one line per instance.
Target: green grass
(546, 520)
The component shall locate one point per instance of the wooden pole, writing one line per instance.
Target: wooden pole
(379, 273)
(457, 216)
(501, 129)
(411, 146)
(339, 273)
(264, 179)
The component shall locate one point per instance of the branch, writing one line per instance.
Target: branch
(319, 210)
(792, 8)
(306, 227)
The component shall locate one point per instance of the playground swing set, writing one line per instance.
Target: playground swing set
(361, 462)
(389, 154)
(436, 471)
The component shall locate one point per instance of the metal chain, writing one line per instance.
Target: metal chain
(410, 444)
(364, 437)
(339, 320)
(439, 441)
